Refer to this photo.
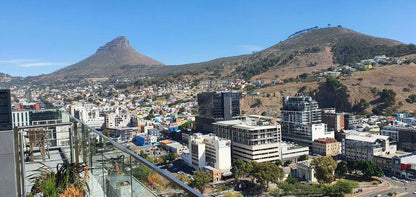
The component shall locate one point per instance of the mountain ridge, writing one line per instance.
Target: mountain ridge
(114, 58)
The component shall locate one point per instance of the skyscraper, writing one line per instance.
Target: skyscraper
(216, 106)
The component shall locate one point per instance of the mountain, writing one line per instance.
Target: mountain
(306, 51)
(116, 58)
(309, 51)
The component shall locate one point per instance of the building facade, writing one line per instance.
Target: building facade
(216, 106)
(209, 150)
(302, 120)
(252, 140)
(326, 147)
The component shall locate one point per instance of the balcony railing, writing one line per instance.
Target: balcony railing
(113, 170)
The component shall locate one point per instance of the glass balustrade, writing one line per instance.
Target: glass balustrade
(112, 169)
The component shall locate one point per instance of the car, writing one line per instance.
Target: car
(404, 181)
(181, 172)
(414, 192)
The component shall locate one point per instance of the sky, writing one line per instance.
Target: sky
(39, 37)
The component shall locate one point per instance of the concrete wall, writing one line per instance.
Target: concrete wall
(8, 184)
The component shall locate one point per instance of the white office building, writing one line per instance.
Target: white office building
(252, 139)
(209, 150)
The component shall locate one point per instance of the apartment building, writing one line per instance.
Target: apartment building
(364, 146)
(326, 147)
(404, 136)
(252, 139)
(209, 150)
(302, 120)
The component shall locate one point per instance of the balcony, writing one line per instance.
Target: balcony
(107, 168)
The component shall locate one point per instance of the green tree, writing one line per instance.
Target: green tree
(288, 162)
(346, 186)
(411, 98)
(183, 178)
(324, 169)
(361, 106)
(332, 93)
(201, 180)
(370, 169)
(239, 169)
(303, 157)
(341, 169)
(267, 172)
(388, 96)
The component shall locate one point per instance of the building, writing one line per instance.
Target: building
(8, 171)
(326, 147)
(291, 151)
(364, 146)
(252, 140)
(35, 117)
(302, 120)
(90, 114)
(216, 106)
(209, 150)
(405, 137)
(117, 120)
(215, 173)
(303, 170)
(334, 121)
(145, 140)
(404, 166)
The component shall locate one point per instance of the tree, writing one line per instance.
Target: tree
(239, 169)
(342, 169)
(346, 186)
(288, 162)
(411, 98)
(353, 166)
(361, 106)
(333, 93)
(267, 172)
(278, 162)
(183, 178)
(324, 169)
(303, 157)
(370, 169)
(388, 96)
(201, 180)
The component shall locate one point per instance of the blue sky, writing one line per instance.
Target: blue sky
(42, 36)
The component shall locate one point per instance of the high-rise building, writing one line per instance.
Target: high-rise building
(8, 180)
(302, 120)
(5, 111)
(251, 140)
(216, 106)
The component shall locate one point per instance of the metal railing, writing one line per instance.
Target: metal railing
(114, 170)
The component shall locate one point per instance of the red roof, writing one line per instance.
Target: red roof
(326, 140)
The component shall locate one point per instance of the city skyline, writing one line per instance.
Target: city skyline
(43, 37)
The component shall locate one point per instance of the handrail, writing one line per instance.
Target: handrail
(144, 161)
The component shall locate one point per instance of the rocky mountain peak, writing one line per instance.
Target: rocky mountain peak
(118, 43)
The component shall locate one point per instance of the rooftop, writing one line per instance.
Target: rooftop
(326, 140)
(367, 137)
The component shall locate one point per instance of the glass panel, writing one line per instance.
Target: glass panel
(96, 172)
(117, 168)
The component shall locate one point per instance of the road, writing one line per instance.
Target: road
(400, 188)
